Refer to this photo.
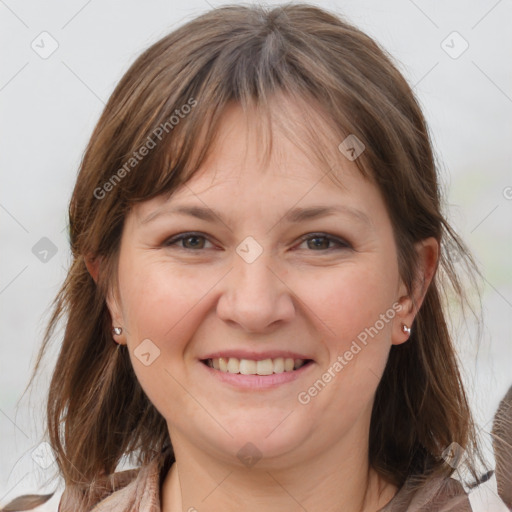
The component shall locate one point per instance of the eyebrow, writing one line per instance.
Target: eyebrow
(293, 216)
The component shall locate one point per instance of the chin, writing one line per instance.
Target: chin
(268, 442)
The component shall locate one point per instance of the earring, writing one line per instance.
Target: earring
(405, 329)
(116, 331)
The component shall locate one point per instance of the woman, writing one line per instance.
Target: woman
(254, 310)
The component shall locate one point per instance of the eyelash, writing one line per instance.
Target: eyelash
(342, 244)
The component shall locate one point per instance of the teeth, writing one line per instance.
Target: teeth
(233, 365)
(252, 367)
(264, 367)
(248, 367)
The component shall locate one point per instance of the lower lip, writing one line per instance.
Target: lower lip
(257, 382)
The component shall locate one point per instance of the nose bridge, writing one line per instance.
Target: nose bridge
(255, 297)
(256, 277)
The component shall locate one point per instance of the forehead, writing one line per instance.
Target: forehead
(284, 134)
(287, 154)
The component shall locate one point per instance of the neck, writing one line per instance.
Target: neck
(338, 479)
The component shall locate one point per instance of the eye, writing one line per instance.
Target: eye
(196, 241)
(192, 241)
(321, 241)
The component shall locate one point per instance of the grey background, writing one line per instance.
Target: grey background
(49, 107)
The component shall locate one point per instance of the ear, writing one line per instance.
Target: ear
(93, 266)
(410, 303)
(115, 310)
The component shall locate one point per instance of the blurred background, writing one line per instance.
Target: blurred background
(62, 60)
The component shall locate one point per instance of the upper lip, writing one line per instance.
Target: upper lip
(257, 356)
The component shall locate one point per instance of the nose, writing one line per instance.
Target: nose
(255, 296)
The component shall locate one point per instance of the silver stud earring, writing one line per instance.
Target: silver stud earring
(116, 331)
(405, 329)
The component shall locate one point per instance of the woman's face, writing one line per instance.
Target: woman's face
(264, 275)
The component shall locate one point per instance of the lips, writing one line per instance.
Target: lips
(245, 362)
(256, 376)
(256, 356)
(251, 367)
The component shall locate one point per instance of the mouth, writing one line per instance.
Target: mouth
(260, 367)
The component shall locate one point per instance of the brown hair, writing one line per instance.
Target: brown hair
(97, 411)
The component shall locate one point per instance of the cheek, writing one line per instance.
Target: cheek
(348, 304)
(162, 301)
(359, 314)
(354, 301)
(162, 304)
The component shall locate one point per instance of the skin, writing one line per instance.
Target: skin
(297, 295)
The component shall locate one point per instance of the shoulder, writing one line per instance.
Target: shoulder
(124, 491)
(119, 484)
(140, 491)
(435, 495)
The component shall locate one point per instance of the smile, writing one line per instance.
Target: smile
(254, 367)
(275, 372)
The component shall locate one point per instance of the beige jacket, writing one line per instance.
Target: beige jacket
(138, 490)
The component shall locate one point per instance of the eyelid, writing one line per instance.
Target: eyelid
(342, 243)
(173, 240)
